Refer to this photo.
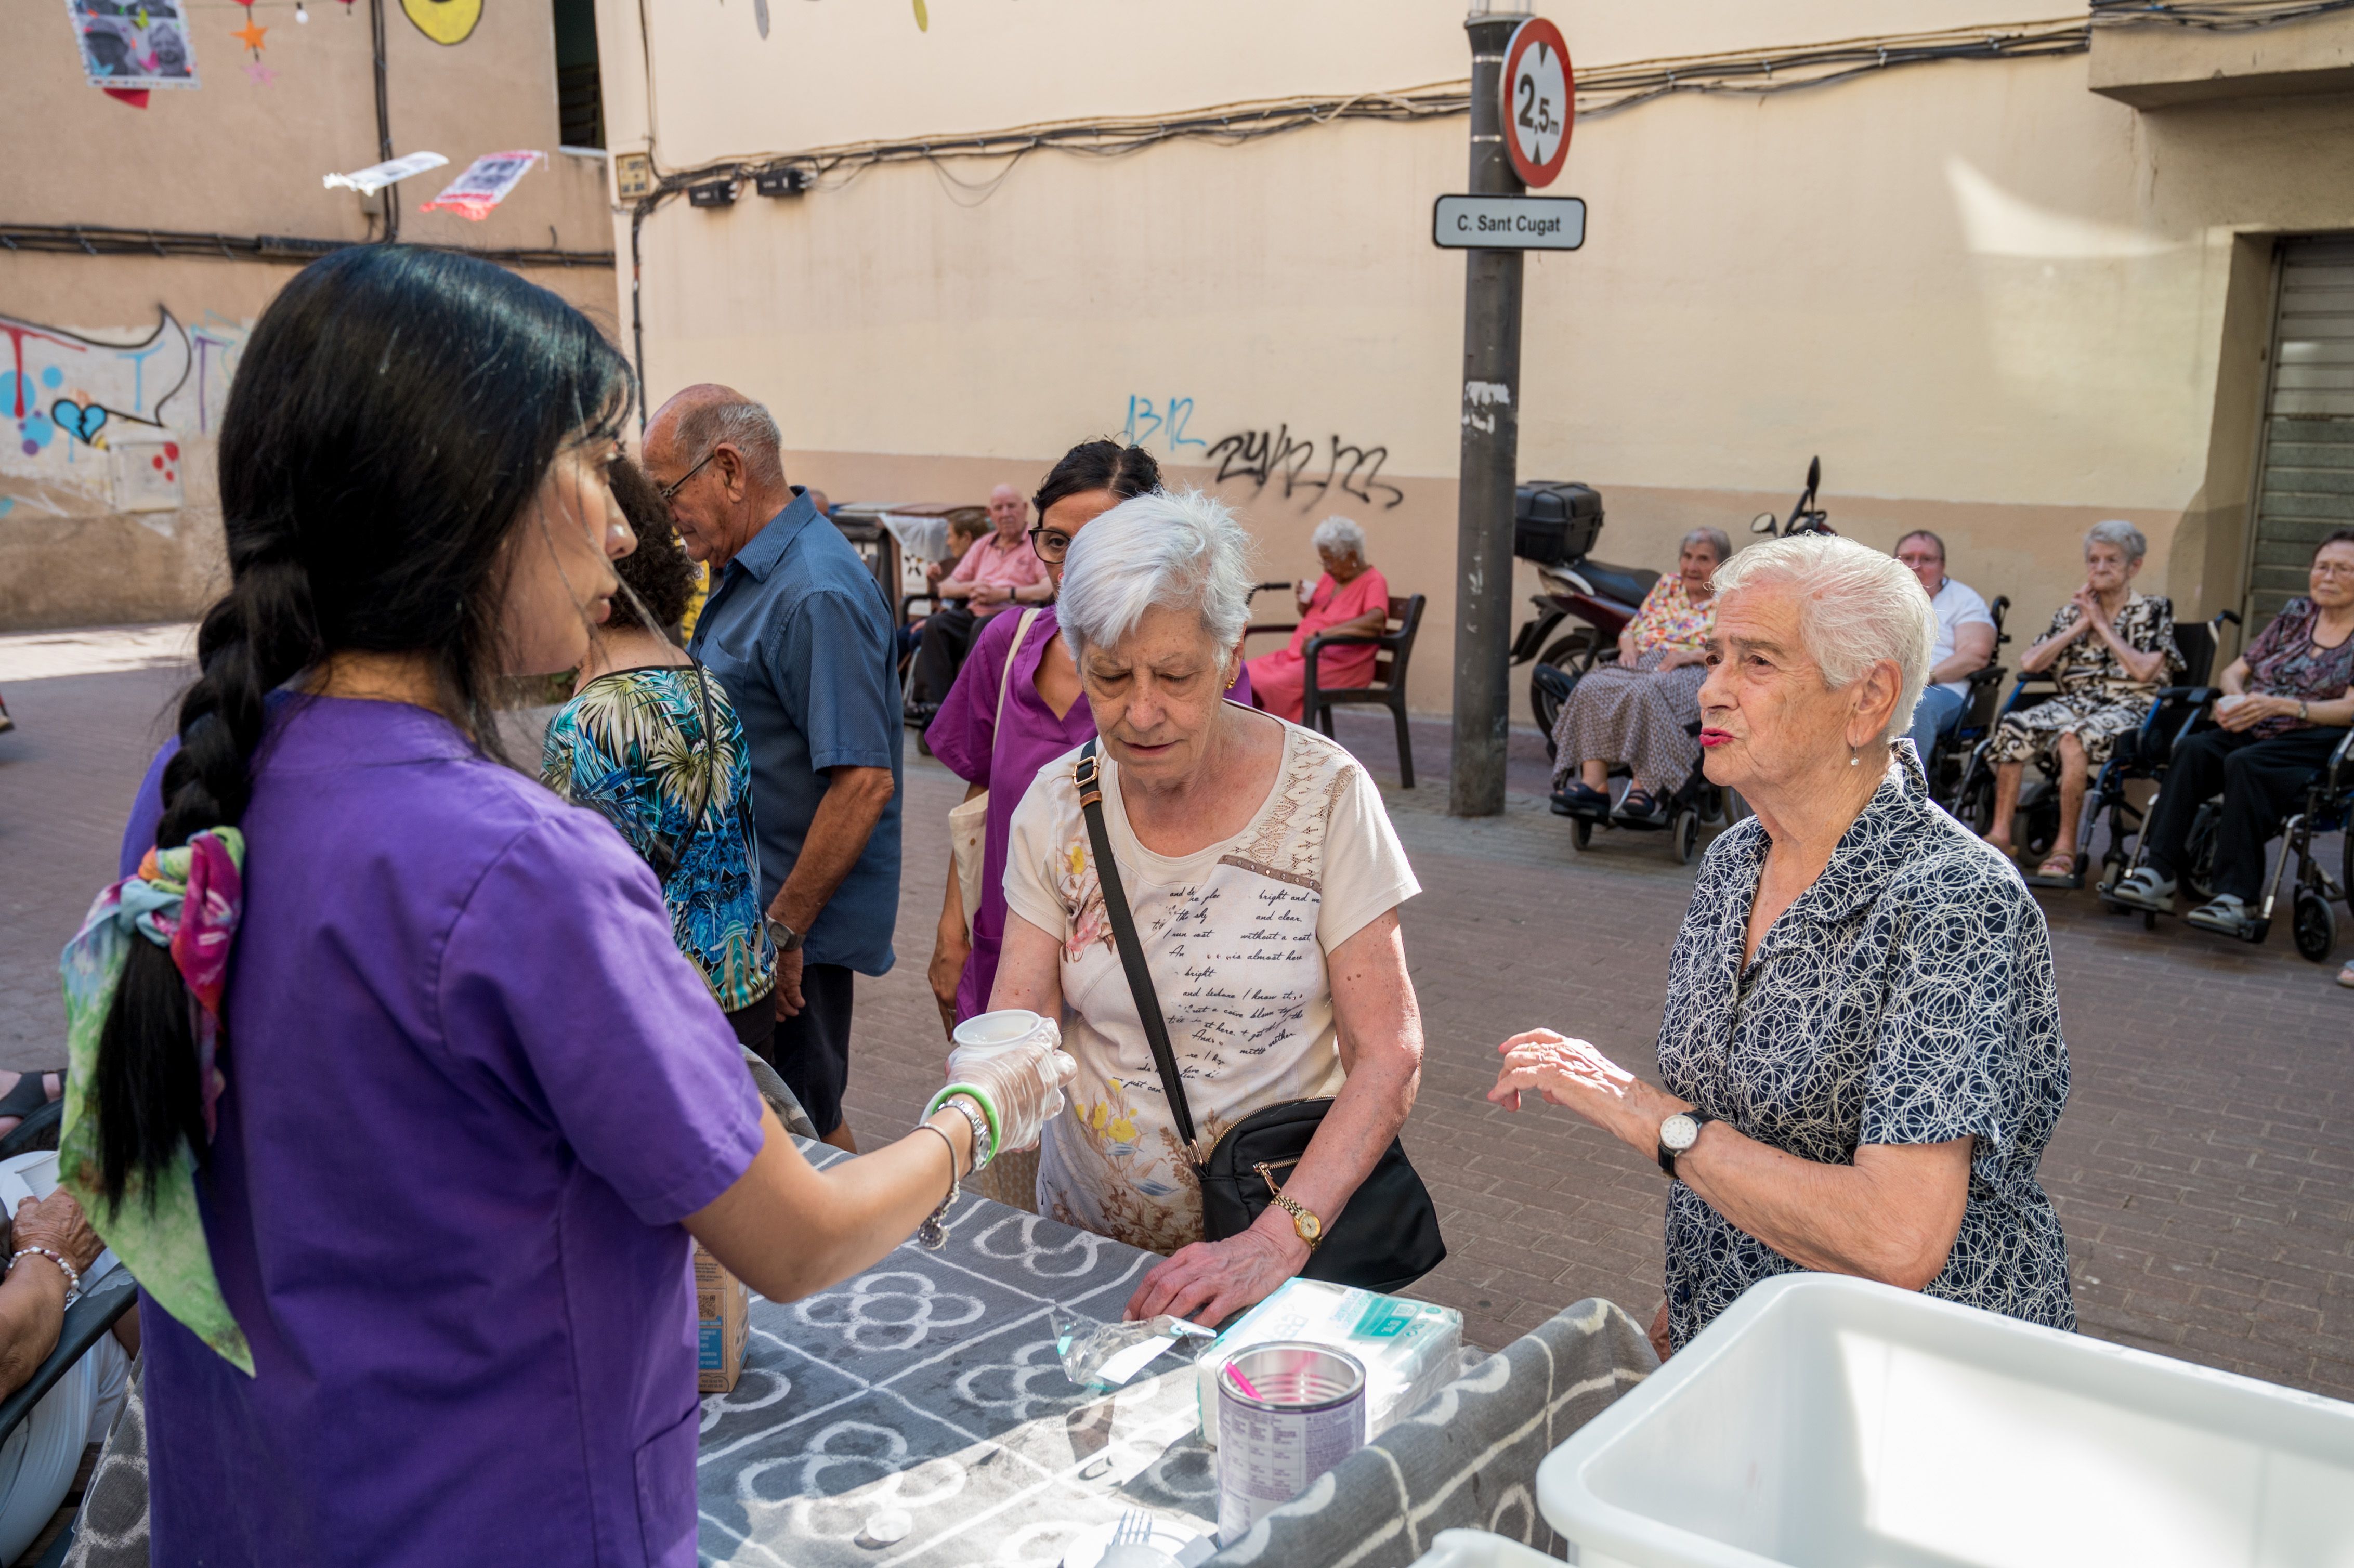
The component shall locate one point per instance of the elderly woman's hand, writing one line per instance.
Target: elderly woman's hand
(1209, 1282)
(2251, 710)
(1679, 658)
(1572, 1073)
(58, 1223)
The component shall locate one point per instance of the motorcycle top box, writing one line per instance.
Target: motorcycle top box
(1555, 521)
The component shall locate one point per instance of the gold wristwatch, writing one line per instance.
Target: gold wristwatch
(1311, 1228)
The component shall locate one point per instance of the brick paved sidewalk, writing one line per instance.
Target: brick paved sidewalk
(2204, 1169)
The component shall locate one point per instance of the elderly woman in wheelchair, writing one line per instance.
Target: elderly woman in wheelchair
(2108, 650)
(2281, 714)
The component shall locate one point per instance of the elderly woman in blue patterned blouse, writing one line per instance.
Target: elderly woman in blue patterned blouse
(1861, 1046)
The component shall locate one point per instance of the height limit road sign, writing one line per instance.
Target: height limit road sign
(1508, 223)
(1540, 101)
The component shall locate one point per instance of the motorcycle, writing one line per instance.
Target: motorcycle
(1553, 527)
(1805, 518)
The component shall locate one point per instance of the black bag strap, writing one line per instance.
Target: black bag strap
(1088, 776)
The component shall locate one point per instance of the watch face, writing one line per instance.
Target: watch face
(1313, 1227)
(1679, 1132)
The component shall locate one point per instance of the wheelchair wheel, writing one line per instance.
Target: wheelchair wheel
(1974, 798)
(1581, 832)
(1565, 657)
(1716, 808)
(2315, 925)
(1686, 833)
(2038, 823)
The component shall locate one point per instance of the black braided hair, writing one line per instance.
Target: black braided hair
(1127, 471)
(390, 421)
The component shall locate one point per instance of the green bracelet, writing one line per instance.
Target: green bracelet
(988, 1108)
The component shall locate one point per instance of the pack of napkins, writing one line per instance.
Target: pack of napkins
(1410, 1349)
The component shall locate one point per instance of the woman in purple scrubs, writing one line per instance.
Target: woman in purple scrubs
(454, 1101)
(985, 742)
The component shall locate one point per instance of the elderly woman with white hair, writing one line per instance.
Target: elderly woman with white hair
(1860, 1050)
(1639, 711)
(2109, 650)
(1264, 880)
(1351, 599)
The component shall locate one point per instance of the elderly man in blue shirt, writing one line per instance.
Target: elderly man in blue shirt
(800, 634)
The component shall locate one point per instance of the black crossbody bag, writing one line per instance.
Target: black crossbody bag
(1388, 1235)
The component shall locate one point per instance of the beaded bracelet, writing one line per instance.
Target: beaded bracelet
(73, 1274)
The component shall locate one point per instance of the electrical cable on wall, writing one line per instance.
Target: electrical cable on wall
(93, 239)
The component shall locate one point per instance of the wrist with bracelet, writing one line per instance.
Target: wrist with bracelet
(73, 1274)
(933, 1233)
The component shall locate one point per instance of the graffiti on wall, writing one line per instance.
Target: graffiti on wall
(93, 420)
(1313, 470)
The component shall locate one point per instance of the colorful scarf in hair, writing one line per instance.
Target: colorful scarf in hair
(188, 900)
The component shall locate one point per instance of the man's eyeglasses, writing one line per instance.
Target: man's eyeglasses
(1051, 543)
(675, 485)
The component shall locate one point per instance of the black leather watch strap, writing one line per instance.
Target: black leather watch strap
(1699, 1118)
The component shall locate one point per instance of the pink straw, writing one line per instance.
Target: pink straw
(1243, 1383)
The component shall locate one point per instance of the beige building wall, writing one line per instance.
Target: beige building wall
(1997, 302)
(149, 339)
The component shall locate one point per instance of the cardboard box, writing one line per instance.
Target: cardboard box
(723, 1310)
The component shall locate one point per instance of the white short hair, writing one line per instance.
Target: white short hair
(1856, 607)
(1338, 533)
(1181, 552)
(2123, 534)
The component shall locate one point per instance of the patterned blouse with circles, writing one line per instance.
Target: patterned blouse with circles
(1905, 998)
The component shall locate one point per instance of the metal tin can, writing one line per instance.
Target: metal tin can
(1307, 1415)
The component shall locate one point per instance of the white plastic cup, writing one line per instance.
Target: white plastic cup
(988, 1033)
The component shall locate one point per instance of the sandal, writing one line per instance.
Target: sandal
(2226, 915)
(2346, 976)
(2143, 888)
(1578, 798)
(31, 1093)
(2058, 869)
(1640, 807)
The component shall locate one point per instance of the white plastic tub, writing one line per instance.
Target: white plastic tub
(1832, 1423)
(1478, 1549)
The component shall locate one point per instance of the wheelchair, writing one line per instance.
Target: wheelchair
(1695, 804)
(1946, 768)
(2138, 755)
(2327, 806)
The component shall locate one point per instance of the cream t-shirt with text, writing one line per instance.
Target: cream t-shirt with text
(1236, 937)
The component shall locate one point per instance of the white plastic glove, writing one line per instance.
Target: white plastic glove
(1024, 1083)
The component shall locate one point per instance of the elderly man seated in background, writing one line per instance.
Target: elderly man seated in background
(1000, 569)
(1966, 637)
(1351, 599)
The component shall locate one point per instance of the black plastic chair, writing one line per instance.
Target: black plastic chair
(1395, 651)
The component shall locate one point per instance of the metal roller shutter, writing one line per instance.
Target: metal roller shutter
(2307, 487)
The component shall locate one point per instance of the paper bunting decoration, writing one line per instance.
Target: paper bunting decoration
(484, 185)
(376, 176)
(127, 50)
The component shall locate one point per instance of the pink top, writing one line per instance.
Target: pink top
(1332, 604)
(992, 561)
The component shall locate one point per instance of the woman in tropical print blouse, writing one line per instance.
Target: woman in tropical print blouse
(649, 742)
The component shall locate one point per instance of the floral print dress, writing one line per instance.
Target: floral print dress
(2098, 700)
(631, 746)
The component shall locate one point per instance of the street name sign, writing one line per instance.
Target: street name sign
(1508, 223)
(1540, 101)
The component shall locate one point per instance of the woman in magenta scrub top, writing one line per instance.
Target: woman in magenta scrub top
(989, 743)
(390, 1085)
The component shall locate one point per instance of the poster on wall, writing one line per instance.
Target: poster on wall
(140, 45)
(484, 185)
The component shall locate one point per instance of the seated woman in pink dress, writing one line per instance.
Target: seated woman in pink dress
(1352, 599)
